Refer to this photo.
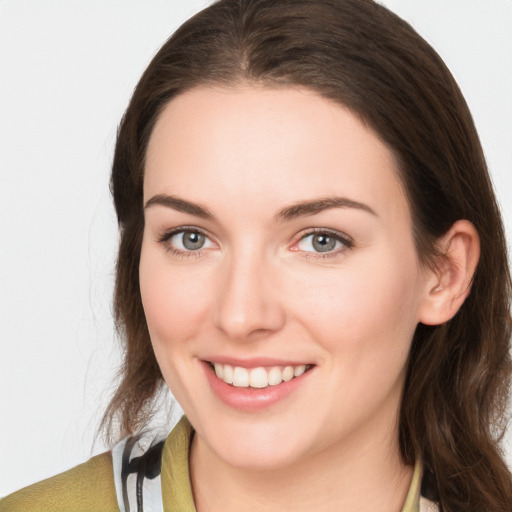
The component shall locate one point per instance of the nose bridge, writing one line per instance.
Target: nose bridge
(246, 303)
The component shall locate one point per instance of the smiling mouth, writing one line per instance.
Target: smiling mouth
(258, 378)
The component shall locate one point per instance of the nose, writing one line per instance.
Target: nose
(248, 304)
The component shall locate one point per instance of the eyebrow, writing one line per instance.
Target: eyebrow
(180, 205)
(306, 208)
(300, 209)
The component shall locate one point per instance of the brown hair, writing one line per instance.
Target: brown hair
(361, 55)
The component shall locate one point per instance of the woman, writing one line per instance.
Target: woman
(313, 261)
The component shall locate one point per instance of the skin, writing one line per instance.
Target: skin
(258, 288)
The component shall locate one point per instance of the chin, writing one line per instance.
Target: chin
(254, 457)
(257, 446)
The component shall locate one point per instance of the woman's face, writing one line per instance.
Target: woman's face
(278, 242)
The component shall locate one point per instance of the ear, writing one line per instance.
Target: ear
(449, 283)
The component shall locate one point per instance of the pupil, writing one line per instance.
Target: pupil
(193, 241)
(323, 243)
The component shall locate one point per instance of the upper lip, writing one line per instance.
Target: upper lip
(254, 362)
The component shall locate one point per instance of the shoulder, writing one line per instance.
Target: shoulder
(87, 487)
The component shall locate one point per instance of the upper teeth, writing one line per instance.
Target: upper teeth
(257, 377)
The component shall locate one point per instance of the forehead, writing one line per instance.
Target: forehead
(274, 144)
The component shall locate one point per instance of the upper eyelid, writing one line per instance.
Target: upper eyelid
(332, 232)
(302, 233)
(168, 233)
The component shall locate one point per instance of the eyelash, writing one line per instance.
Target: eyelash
(346, 241)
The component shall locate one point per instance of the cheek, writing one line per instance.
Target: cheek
(365, 312)
(174, 301)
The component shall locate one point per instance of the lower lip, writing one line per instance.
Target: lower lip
(251, 399)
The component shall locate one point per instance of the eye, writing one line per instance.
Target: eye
(324, 242)
(186, 241)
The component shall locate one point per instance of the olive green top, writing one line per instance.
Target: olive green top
(89, 487)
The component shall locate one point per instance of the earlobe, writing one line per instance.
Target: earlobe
(449, 283)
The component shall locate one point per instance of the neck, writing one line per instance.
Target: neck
(358, 475)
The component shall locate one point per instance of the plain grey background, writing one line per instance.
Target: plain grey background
(67, 69)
